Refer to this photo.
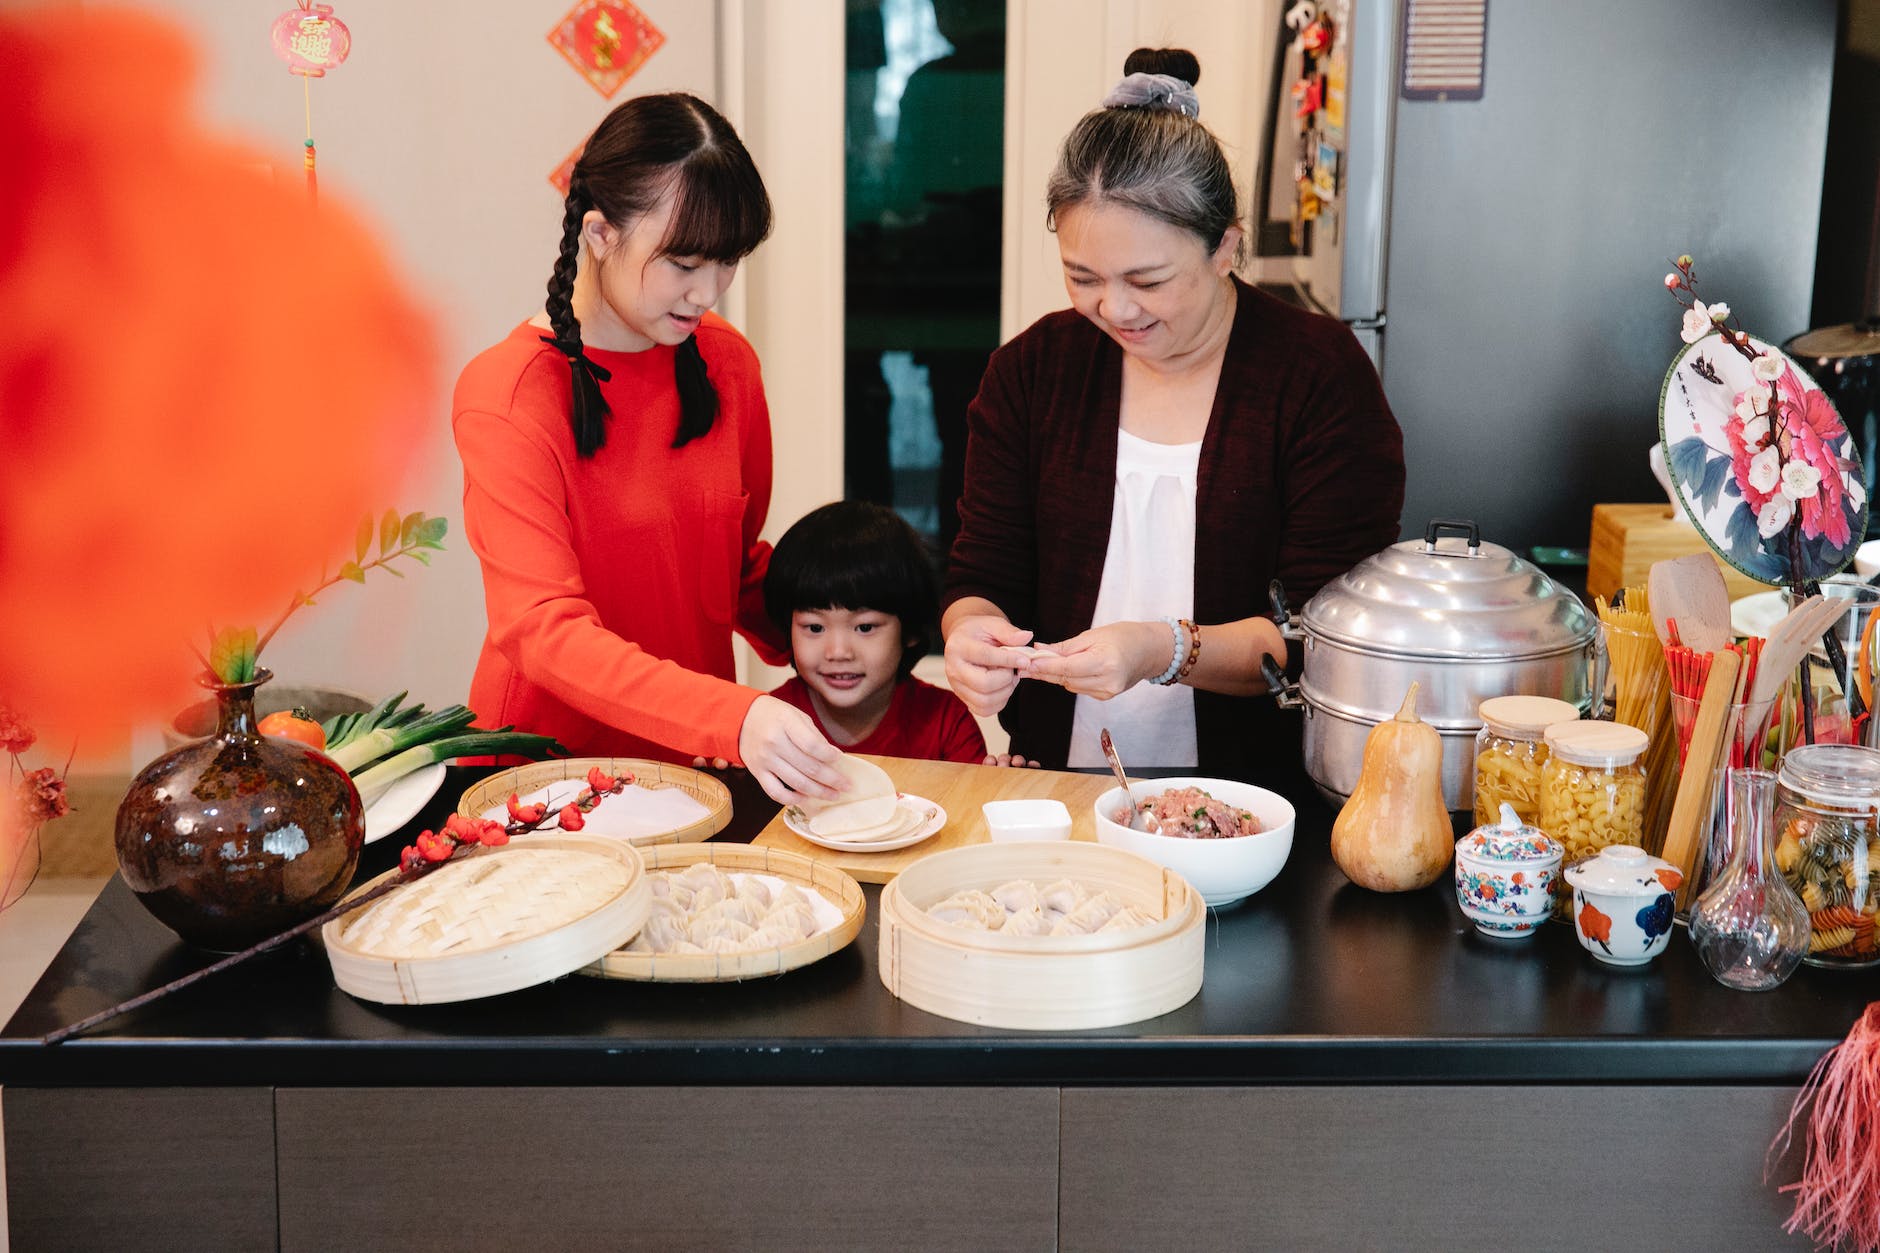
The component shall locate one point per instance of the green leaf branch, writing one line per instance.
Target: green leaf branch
(234, 651)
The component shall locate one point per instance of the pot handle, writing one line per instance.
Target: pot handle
(1283, 616)
(1598, 666)
(1439, 525)
(1284, 692)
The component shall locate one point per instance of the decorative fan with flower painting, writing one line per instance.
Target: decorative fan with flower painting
(1762, 463)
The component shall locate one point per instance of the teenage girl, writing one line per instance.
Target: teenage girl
(852, 587)
(616, 452)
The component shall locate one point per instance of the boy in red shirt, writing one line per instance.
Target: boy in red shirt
(851, 586)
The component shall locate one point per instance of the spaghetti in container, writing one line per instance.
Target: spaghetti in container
(1828, 848)
(1510, 750)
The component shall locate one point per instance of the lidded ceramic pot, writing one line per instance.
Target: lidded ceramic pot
(1506, 876)
(1623, 902)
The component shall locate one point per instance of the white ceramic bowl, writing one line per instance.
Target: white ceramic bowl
(1225, 871)
(1015, 822)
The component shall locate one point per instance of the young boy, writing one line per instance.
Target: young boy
(851, 586)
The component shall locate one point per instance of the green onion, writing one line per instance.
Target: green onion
(395, 734)
(499, 743)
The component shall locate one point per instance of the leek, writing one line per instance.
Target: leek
(499, 743)
(367, 745)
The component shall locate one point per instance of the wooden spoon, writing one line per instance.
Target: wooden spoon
(1690, 589)
(1783, 650)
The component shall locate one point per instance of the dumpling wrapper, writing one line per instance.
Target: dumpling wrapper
(868, 802)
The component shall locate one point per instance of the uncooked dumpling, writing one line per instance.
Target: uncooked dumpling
(867, 802)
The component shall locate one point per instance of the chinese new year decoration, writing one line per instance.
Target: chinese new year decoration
(312, 41)
(607, 41)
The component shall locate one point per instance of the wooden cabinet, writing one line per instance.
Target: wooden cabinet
(1422, 1168)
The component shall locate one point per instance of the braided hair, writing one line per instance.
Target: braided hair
(647, 148)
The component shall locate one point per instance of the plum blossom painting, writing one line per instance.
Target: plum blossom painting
(1762, 463)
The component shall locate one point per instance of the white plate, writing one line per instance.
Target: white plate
(1758, 614)
(399, 803)
(909, 806)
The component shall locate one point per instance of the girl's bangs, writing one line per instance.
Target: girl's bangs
(722, 211)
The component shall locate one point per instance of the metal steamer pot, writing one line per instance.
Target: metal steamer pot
(1463, 619)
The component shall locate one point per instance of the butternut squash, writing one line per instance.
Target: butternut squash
(1393, 835)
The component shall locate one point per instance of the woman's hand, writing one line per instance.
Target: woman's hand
(1107, 660)
(1010, 759)
(787, 755)
(984, 661)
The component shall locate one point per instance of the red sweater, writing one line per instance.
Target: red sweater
(1301, 478)
(923, 721)
(612, 585)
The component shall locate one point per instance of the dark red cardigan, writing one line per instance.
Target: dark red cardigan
(1301, 477)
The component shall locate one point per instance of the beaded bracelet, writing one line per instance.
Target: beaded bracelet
(1174, 670)
(1193, 649)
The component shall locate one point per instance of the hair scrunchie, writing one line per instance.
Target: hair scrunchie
(1154, 91)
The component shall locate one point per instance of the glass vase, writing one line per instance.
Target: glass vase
(235, 838)
(1749, 927)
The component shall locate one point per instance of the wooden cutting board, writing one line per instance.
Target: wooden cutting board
(960, 790)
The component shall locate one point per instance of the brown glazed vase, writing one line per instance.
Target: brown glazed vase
(236, 838)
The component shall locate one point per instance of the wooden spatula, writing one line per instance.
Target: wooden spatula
(1690, 812)
(1690, 589)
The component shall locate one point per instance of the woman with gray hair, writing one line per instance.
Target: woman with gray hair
(1140, 466)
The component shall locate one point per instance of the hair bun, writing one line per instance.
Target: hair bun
(1174, 62)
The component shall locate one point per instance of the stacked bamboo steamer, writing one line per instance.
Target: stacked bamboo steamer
(1045, 983)
(535, 909)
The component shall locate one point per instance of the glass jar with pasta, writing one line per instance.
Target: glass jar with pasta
(1828, 848)
(1592, 789)
(1510, 750)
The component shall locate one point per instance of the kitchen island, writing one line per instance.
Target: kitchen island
(1358, 1071)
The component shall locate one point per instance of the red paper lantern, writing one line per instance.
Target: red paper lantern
(311, 40)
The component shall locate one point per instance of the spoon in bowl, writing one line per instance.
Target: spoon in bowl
(1122, 781)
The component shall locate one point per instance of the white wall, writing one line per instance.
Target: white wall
(1063, 56)
(443, 134)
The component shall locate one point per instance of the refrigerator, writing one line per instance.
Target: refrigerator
(1498, 225)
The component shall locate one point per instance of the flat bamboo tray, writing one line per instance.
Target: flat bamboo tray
(960, 790)
(832, 884)
(488, 794)
(1042, 983)
(535, 909)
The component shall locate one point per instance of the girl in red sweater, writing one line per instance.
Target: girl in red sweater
(852, 587)
(616, 452)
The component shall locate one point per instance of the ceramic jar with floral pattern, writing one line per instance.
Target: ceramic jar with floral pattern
(1506, 876)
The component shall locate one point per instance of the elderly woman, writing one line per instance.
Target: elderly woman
(1141, 466)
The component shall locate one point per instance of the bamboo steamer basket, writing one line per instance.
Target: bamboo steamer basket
(835, 886)
(490, 793)
(1042, 983)
(535, 909)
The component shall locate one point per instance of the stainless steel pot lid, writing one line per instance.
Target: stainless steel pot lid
(1449, 596)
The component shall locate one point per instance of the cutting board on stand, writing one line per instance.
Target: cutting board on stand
(960, 790)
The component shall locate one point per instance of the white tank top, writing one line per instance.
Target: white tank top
(1148, 573)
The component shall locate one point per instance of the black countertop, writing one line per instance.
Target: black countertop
(1312, 980)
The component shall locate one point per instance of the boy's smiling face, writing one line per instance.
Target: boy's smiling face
(849, 658)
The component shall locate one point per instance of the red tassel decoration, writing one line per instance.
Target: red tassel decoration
(1837, 1200)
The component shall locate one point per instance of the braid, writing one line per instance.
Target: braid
(589, 416)
(698, 399)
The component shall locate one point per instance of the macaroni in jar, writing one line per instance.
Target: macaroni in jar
(1592, 790)
(1510, 751)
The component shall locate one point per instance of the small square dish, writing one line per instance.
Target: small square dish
(1019, 821)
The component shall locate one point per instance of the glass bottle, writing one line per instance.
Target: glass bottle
(1749, 926)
